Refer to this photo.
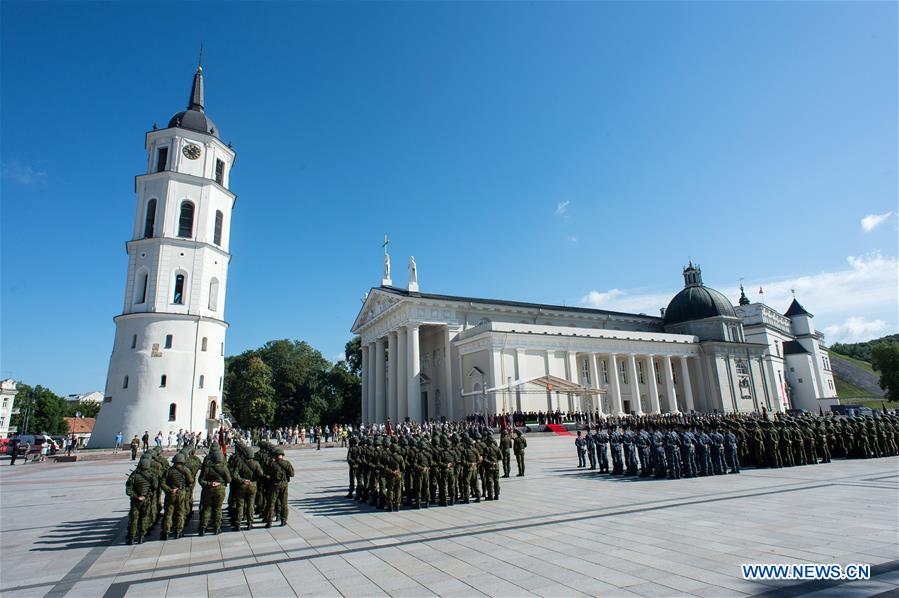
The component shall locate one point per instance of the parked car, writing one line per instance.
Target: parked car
(37, 442)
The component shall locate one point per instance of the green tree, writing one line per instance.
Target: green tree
(307, 388)
(85, 408)
(353, 355)
(249, 392)
(885, 359)
(40, 410)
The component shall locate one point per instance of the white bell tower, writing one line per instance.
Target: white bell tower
(167, 365)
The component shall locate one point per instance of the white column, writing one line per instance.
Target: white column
(685, 382)
(449, 397)
(365, 373)
(594, 377)
(571, 358)
(392, 358)
(372, 412)
(402, 378)
(614, 386)
(549, 393)
(635, 384)
(413, 369)
(380, 387)
(651, 382)
(519, 364)
(669, 385)
(495, 378)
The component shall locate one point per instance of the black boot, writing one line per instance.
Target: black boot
(129, 541)
(163, 536)
(140, 539)
(268, 524)
(202, 531)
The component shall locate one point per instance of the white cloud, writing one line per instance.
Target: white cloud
(572, 240)
(339, 357)
(866, 289)
(872, 221)
(633, 301)
(21, 173)
(854, 329)
(562, 208)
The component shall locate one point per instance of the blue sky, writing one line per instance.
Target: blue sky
(547, 152)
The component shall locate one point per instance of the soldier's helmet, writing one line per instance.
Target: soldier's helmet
(179, 458)
(518, 432)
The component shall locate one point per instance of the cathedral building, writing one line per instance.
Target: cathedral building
(430, 356)
(167, 365)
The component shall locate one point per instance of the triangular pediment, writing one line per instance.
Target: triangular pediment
(376, 303)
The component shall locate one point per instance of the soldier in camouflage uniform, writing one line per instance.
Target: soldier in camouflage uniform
(279, 474)
(176, 483)
(140, 488)
(214, 476)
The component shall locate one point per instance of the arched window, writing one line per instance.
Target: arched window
(202, 381)
(125, 382)
(150, 220)
(221, 380)
(741, 368)
(162, 380)
(134, 341)
(141, 296)
(178, 296)
(213, 294)
(173, 409)
(203, 344)
(212, 410)
(168, 341)
(186, 220)
(219, 220)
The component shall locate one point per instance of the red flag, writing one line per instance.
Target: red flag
(761, 292)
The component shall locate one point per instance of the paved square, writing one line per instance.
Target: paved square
(559, 531)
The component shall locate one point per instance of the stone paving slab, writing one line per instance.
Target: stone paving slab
(560, 531)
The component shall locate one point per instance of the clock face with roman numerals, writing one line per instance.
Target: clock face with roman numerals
(191, 151)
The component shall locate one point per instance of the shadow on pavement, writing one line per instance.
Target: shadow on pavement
(81, 534)
(331, 506)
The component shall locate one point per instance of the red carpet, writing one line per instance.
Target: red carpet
(559, 429)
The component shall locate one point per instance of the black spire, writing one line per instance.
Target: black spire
(796, 309)
(196, 101)
(744, 300)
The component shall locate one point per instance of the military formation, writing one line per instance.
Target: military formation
(255, 482)
(673, 447)
(435, 468)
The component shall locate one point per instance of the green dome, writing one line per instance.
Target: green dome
(698, 302)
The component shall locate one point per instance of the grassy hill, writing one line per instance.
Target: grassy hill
(856, 380)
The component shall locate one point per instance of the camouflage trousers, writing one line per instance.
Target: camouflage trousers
(138, 516)
(175, 511)
(211, 500)
(244, 503)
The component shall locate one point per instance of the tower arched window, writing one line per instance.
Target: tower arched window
(213, 410)
(141, 291)
(202, 381)
(173, 410)
(213, 294)
(150, 220)
(186, 220)
(203, 343)
(178, 295)
(125, 382)
(219, 221)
